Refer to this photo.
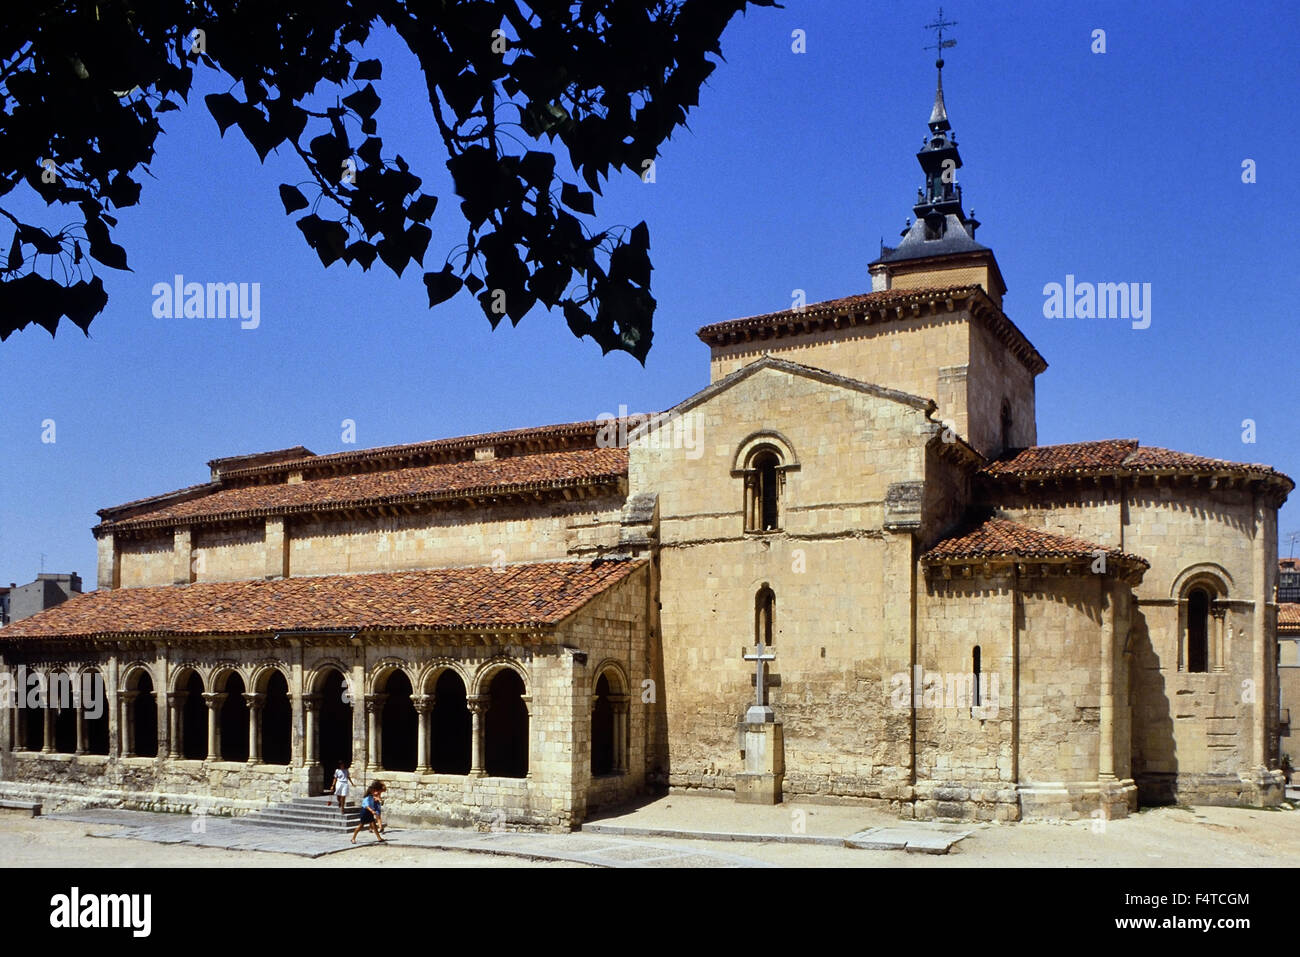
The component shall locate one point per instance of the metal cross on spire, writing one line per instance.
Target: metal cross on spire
(940, 43)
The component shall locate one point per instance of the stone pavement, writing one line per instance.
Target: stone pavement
(707, 818)
(619, 839)
(235, 835)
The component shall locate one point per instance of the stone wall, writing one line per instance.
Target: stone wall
(324, 545)
(840, 628)
(1195, 735)
(946, 357)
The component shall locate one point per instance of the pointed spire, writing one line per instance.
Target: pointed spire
(939, 115)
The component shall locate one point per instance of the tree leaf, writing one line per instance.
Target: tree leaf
(577, 200)
(292, 198)
(442, 285)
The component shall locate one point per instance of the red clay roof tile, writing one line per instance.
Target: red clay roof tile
(396, 485)
(999, 537)
(534, 595)
(1111, 455)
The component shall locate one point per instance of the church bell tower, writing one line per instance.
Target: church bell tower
(939, 247)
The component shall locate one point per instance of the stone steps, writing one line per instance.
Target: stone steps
(308, 814)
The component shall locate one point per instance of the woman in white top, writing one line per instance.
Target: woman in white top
(342, 785)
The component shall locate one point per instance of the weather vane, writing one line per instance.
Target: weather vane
(939, 26)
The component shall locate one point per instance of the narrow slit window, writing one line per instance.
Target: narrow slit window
(1198, 630)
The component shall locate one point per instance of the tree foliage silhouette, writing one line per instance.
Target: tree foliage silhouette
(83, 86)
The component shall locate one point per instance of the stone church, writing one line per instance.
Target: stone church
(844, 572)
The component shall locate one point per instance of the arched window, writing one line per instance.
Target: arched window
(1198, 630)
(399, 729)
(506, 727)
(333, 722)
(193, 720)
(452, 726)
(602, 730)
(65, 712)
(232, 721)
(975, 674)
(94, 708)
(763, 492)
(143, 736)
(1006, 424)
(276, 721)
(764, 616)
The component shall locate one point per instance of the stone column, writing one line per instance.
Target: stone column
(478, 706)
(79, 716)
(47, 722)
(1106, 750)
(20, 722)
(1219, 660)
(255, 701)
(1264, 650)
(375, 728)
(527, 699)
(175, 723)
(214, 700)
(619, 703)
(311, 742)
(126, 722)
(424, 711)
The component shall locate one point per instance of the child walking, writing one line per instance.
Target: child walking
(342, 785)
(372, 809)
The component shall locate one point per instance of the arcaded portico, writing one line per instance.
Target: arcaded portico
(522, 720)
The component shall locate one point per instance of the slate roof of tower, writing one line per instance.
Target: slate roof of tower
(514, 596)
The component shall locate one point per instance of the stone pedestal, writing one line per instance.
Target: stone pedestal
(763, 755)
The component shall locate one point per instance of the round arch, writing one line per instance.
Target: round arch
(764, 440)
(612, 670)
(382, 671)
(432, 673)
(488, 671)
(262, 672)
(1209, 575)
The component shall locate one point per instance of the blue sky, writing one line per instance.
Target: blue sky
(1122, 166)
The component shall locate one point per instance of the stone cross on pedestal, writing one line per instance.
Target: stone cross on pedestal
(759, 712)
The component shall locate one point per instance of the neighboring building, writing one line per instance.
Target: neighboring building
(47, 591)
(4, 604)
(843, 571)
(1288, 675)
(1288, 581)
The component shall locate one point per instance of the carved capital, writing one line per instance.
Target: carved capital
(311, 702)
(215, 699)
(478, 703)
(423, 703)
(255, 700)
(375, 703)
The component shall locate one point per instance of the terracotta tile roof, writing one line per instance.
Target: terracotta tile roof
(856, 308)
(530, 596)
(517, 437)
(1113, 455)
(828, 307)
(1288, 618)
(396, 486)
(1001, 538)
